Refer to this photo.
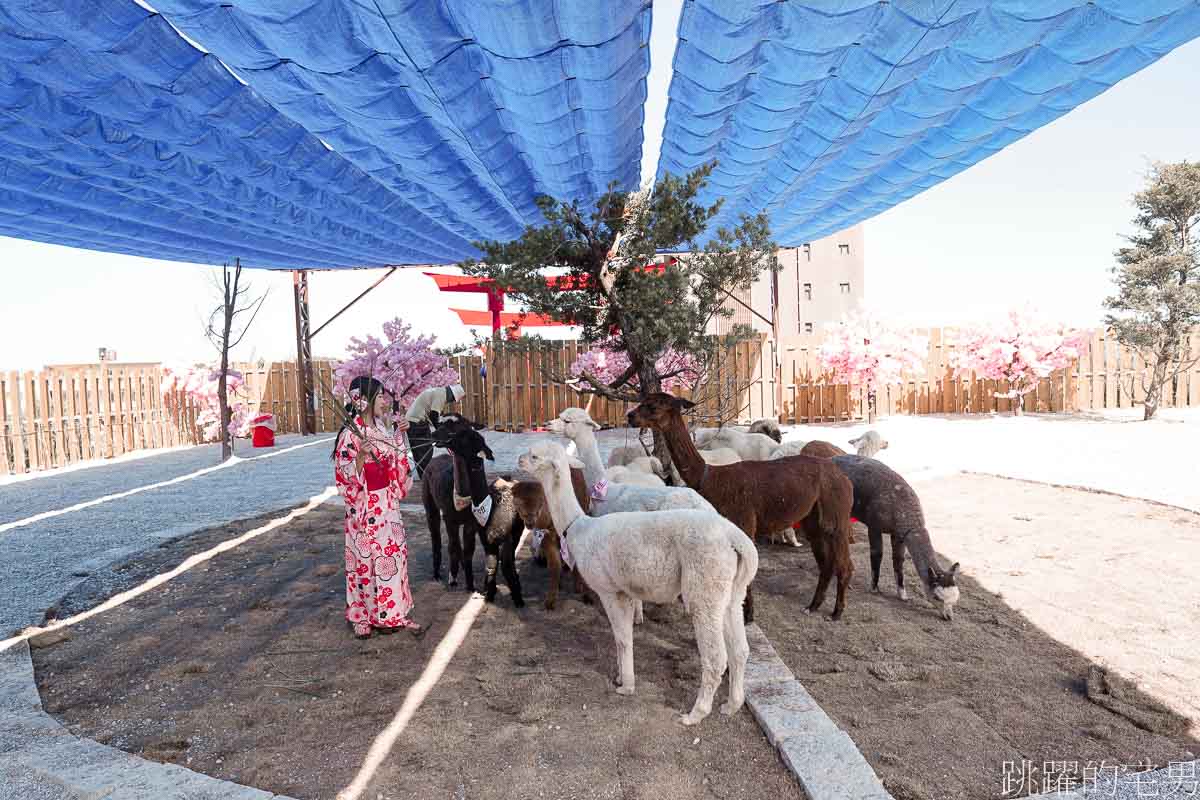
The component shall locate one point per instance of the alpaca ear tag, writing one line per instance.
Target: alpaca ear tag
(600, 490)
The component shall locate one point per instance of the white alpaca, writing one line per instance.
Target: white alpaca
(623, 456)
(788, 449)
(749, 446)
(633, 477)
(869, 444)
(576, 425)
(656, 557)
(720, 456)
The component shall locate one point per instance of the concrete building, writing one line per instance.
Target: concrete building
(817, 284)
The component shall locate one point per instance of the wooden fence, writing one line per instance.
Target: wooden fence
(1106, 376)
(517, 392)
(64, 414)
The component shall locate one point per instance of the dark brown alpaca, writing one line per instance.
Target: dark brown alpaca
(820, 449)
(531, 506)
(765, 496)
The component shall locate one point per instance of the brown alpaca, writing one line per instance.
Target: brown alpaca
(532, 508)
(819, 449)
(764, 496)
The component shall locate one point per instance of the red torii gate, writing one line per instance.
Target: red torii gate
(511, 321)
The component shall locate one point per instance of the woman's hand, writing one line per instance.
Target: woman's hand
(402, 425)
(365, 451)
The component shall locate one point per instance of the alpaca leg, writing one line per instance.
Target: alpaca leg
(898, 549)
(508, 564)
(491, 562)
(638, 616)
(554, 560)
(842, 566)
(454, 534)
(789, 537)
(468, 555)
(619, 608)
(709, 623)
(824, 560)
(875, 536)
(739, 653)
(434, 517)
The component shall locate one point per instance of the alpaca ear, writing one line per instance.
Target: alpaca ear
(885, 445)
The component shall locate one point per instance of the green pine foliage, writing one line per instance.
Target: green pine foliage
(1158, 277)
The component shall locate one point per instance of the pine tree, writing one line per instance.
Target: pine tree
(1158, 278)
(642, 312)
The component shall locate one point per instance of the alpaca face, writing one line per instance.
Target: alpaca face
(945, 590)
(467, 443)
(543, 459)
(657, 411)
(573, 423)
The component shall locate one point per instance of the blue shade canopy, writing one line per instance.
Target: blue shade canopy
(345, 133)
(349, 132)
(823, 113)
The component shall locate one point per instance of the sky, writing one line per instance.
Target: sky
(1036, 223)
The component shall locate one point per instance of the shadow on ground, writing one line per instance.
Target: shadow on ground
(193, 674)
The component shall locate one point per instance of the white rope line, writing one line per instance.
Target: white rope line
(158, 580)
(8, 526)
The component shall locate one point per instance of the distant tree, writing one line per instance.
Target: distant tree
(1158, 278)
(641, 313)
(866, 352)
(1020, 349)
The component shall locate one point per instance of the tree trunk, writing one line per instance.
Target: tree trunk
(1154, 390)
(648, 384)
(1019, 405)
(226, 414)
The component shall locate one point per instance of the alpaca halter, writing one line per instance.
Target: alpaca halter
(483, 511)
(599, 491)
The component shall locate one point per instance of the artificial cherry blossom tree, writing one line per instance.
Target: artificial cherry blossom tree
(607, 363)
(1020, 349)
(404, 364)
(201, 385)
(866, 353)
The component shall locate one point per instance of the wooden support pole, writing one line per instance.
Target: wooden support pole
(304, 376)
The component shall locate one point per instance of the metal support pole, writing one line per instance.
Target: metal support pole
(304, 376)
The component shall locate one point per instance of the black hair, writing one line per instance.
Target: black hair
(369, 388)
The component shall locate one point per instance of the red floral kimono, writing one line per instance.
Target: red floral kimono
(377, 593)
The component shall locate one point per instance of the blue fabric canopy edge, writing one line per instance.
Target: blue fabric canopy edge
(824, 114)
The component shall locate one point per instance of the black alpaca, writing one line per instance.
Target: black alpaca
(494, 512)
(438, 496)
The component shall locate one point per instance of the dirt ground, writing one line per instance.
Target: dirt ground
(245, 670)
(1050, 575)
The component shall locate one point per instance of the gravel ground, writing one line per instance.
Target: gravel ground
(42, 561)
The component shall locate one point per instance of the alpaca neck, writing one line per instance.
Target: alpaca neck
(589, 454)
(477, 481)
(920, 549)
(560, 498)
(684, 454)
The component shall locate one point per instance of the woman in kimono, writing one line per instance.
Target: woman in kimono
(373, 472)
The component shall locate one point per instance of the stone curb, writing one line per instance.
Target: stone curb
(43, 757)
(822, 757)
